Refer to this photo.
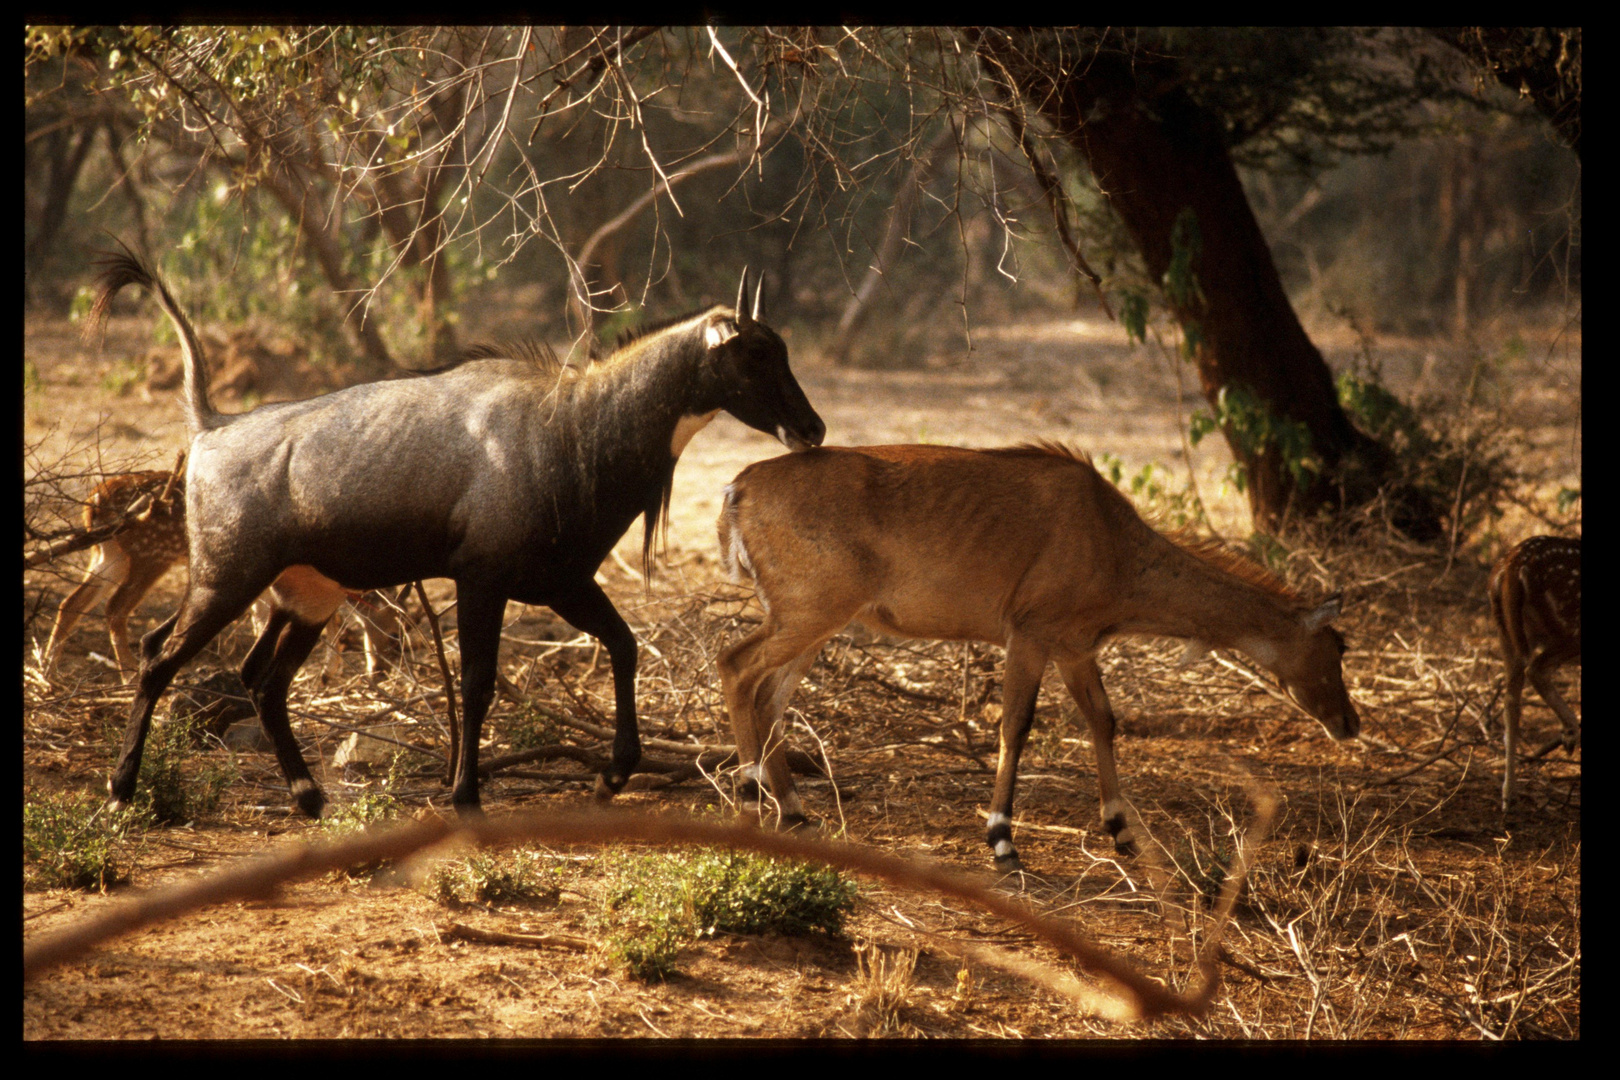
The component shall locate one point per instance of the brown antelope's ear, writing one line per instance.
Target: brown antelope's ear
(719, 331)
(1324, 614)
(742, 298)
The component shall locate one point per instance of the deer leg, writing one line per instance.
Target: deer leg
(1084, 681)
(107, 569)
(142, 576)
(734, 664)
(1540, 671)
(759, 675)
(155, 637)
(1510, 731)
(203, 614)
(775, 691)
(478, 620)
(381, 627)
(294, 642)
(590, 610)
(1025, 663)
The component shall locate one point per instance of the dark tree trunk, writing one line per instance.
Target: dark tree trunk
(64, 151)
(375, 361)
(1158, 157)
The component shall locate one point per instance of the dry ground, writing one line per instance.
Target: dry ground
(1388, 903)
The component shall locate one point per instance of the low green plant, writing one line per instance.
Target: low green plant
(661, 901)
(1151, 487)
(492, 877)
(530, 728)
(72, 841)
(122, 377)
(175, 785)
(362, 812)
(1254, 428)
(365, 810)
(1464, 466)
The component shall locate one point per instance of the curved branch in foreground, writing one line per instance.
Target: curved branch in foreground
(1132, 996)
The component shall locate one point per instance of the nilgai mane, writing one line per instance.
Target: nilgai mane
(1026, 547)
(507, 472)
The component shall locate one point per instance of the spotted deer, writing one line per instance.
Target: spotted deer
(1535, 590)
(125, 566)
(147, 510)
(1026, 547)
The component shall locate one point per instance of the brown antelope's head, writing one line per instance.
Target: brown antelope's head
(1313, 673)
(748, 375)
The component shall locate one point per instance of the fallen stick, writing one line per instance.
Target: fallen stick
(464, 932)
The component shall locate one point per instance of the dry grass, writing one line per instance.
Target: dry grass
(1388, 901)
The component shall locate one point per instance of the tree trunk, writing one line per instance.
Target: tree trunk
(1159, 159)
(64, 152)
(375, 360)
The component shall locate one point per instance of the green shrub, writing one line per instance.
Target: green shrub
(366, 810)
(73, 842)
(1443, 456)
(663, 900)
(492, 877)
(530, 728)
(173, 787)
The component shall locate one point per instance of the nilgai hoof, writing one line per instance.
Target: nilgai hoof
(309, 798)
(1009, 862)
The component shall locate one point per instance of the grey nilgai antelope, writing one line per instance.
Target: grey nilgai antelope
(1535, 590)
(506, 472)
(1026, 547)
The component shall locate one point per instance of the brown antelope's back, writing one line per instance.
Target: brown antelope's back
(1021, 533)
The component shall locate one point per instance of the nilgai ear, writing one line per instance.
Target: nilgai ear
(718, 332)
(742, 298)
(1325, 613)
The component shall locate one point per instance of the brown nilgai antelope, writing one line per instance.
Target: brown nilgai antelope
(1026, 547)
(507, 472)
(1535, 592)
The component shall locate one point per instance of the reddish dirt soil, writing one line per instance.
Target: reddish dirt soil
(1389, 902)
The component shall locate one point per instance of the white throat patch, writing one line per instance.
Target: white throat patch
(685, 428)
